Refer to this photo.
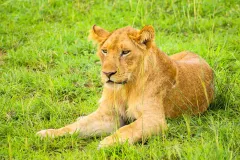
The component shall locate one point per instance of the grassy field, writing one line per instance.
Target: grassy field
(49, 75)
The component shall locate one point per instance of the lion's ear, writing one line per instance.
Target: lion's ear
(145, 36)
(98, 34)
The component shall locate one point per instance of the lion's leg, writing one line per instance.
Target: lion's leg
(142, 128)
(96, 123)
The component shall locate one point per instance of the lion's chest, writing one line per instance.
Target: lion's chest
(131, 105)
(134, 108)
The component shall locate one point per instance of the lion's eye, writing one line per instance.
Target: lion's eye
(125, 53)
(104, 51)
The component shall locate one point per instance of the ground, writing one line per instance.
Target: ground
(49, 75)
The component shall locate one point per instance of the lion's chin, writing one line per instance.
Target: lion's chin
(114, 82)
(115, 85)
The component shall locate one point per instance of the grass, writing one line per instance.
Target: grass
(49, 75)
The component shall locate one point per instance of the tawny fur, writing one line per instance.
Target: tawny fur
(148, 87)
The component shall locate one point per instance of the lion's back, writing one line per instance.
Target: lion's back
(193, 91)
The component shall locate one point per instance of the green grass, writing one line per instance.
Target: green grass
(49, 75)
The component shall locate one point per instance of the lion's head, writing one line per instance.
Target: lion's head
(121, 52)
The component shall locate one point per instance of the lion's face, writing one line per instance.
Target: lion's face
(120, 55)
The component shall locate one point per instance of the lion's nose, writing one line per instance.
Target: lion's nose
(109, 74)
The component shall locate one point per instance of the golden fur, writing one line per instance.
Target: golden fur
(143, 84)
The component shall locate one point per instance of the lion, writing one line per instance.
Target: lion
(142, 84)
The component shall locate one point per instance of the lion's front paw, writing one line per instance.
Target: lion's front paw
(46, 133)
(111, 140)
(108, 141)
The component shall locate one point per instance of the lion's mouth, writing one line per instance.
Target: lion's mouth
(112, 82)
